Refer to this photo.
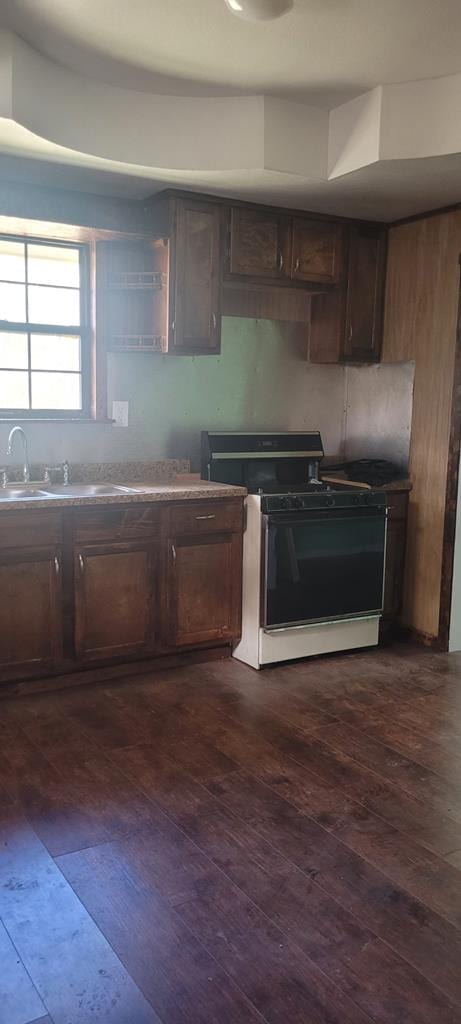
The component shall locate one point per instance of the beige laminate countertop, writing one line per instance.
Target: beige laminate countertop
(180, 490)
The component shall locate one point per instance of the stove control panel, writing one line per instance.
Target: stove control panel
(322, 500)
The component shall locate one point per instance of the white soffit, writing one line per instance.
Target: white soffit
(205, 140)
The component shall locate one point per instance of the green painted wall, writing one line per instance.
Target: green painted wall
(261, 380)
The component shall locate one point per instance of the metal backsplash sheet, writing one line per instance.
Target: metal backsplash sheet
(378, 411)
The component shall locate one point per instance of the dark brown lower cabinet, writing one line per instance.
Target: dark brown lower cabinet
(204, 588)
(30, 611)
(115, 600)
(92, 586)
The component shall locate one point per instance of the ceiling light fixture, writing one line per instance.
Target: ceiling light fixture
(259, 10)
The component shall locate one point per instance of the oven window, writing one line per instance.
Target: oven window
(322, 568)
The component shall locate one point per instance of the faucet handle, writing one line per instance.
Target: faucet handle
(3, 477)
(54, 474)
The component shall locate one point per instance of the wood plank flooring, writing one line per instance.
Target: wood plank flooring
(214, 845)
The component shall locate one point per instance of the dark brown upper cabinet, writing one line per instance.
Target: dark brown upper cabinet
(346, 324)
(258, 244)
(273, 247)
(192, 227)
(365, 294)
(315, 251)
(195, 286)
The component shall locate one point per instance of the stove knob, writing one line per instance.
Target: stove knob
(329, 502)
(356, 499)
(296, 502)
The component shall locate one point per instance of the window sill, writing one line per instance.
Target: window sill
(54, 419)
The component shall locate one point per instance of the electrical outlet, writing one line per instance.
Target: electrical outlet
(120, 414)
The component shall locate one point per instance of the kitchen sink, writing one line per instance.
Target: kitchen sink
(19, 493)
(63, 491)
(86, 490)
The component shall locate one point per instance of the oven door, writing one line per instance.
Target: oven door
(322, 565)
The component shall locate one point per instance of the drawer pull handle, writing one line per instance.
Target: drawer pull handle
(206, 517)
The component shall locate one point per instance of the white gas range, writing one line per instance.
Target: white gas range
(313, 558)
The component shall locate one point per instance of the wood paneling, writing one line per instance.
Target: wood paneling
(266, 302)
(420, 324)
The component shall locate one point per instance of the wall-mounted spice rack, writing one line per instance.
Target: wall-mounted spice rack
(146, 279)
(137, 343)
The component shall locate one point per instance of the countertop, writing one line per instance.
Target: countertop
(394, 485)
(179, 490)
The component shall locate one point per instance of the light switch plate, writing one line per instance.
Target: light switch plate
(120, 414)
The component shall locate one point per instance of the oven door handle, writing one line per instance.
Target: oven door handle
(317, 516)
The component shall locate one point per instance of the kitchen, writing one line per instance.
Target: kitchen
(199, 383)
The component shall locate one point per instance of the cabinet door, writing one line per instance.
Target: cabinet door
(316, 251)
(204, 584)
(365, 294)
(195, 292)
(115, 591)
(258, 244)
(30, 611)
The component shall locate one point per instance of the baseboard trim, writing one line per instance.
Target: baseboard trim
(408, 634)
(103, 674)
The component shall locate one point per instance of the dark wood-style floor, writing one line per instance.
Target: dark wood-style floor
(218, 846)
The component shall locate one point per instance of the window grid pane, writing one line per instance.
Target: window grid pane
(40, 284)
(56, 390)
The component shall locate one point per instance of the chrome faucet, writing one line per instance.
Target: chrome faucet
(9, 451)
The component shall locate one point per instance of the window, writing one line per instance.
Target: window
(44, 336)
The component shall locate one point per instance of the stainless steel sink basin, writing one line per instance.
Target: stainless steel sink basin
(20, 493)
(85, 490)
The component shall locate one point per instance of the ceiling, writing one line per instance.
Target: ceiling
(324, 51)
(130, 61)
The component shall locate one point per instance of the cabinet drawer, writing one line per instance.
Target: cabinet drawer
(121, 522)
(207, 517)
(397, 504)
(29, 529)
